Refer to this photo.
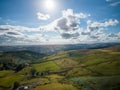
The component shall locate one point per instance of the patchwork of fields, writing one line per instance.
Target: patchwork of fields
(88, 69)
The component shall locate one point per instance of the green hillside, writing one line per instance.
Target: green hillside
(19, 56)
(46, 66)
(87, 69)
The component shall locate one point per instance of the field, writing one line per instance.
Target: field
(8, 81)
(87, 69)
(55, 86)
(46, 66)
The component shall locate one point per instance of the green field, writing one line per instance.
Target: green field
(97, 83)
(55, 86)
(5, 73)
(89, 69)
(46, 66)
(9, 80)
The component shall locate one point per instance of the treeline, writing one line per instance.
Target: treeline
(12, 65)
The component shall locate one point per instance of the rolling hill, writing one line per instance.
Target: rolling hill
(20, 56)
(83, 69)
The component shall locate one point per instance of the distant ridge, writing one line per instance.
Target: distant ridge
(50, 49)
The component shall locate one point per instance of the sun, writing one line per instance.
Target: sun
(49, 4)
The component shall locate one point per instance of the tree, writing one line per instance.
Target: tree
(33, 72)
(19, 67)
(15, 85)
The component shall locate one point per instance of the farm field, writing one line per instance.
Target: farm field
(86, 69)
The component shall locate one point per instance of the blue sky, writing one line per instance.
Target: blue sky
(59, 21)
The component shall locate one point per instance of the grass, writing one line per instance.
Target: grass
(66, 62)
(108, 68)
(56, 56)
(79, 69)
(94, 57)
(25, 71)
(97, 83)
(46, 66)
(114, 48)
(9, 80)
(77, 72)
(54, 78)
(5, 73)
(41, 80)
(110, 51)
(55, 86)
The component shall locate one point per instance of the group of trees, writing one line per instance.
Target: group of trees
(7, 66)
(35, 73)
(15, 85)
(11, 66)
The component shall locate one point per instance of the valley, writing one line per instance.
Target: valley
(82, 69)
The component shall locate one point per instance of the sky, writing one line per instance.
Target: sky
(38, 22)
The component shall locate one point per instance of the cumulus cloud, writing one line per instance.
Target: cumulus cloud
(42, 16)
(5, 27)
(110, 22)
(69, 12)
(13, 33)
(69, 27)
(19, 35)
(10, 37)
(18, 28)
(66, 29)
(112, 35)
(68, 36)
(68, 24)
(95, 30)
(20, 38)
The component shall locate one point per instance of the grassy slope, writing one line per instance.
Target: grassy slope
(66, 62)
(9, 80)
(92, 60)
(108, 68)
(20, 56)
(97, 83)
(5, 73)
(46, 66)
(84, 66)
(100, 62)
(25, 71)
(55, 86)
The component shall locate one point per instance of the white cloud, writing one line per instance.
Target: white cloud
(66, 29)
(95, 30)
(11, 37)
(42, 16)
(69, 24)
(68, 36)
(110, 22)
(112, 35)
(18, 28)
(69, 12)
(115, 3)
(108, 0)
(19, 35)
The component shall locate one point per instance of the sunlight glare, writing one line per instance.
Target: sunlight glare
(49, 4)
